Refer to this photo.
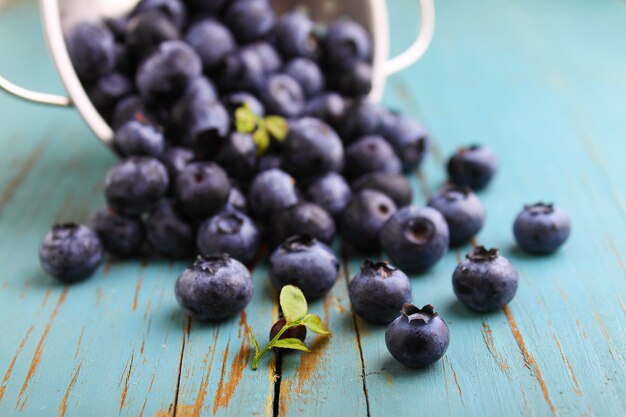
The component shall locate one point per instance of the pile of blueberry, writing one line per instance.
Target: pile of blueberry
(172, 79)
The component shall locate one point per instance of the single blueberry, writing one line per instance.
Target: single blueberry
(408, 138)
(462, 210)
(308, 74)
(415, 238)
(379, 291)
(371, 154)
(108, 91)
(303, 219)
(130, 108)
(282, 95)
(146, 30)
(311, 148)
(236, 201)
(353, 80)
(120, 235)
(270, 160)
(241, 70)
(396, 186)
(70, 252)
(364, 217)
(135, 185)
(175, 10)
(271, 191)
(212, 41)
(485, 281)
(306, 263)
(250, 19)
(175, 159)
(419, 337)
(298, 332)
(473, 166)
(362, 118)
(229, 232)
(202, 189)
(271, 61)
(331, 192)
(541, 228)
(329, 107)
(139, 139)
(295, 36)
(92, 51)
(214, 288)
(168, 233)
(238, 156)
(346, 41)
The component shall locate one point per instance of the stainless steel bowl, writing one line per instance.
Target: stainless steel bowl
(58, 16)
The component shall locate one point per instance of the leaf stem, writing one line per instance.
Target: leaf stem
(257, 357)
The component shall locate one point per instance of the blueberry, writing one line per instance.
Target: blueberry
(207, 123)
(108, 91)
(397, 187)
(379, 291)
(308, 74)
(473, 166)
(120, 235)
(145, 31)
(311, 148)
(485, 281)
(167, 73)
(364, 217)
(419, 337)
(354, 80)
(541, 228)
(415, 238)
(462, 210)
(408, 138)
(329, 107)
(295, 36)
(237, 155)
(241, 70)
(129, 108)
(298, 332)
(92, 51)
(331, 192)
(306, 263)
(304, 219)
(139, 139)
(270, 160)
(214, 288)
(250, 19)
(175, 159)
(136, 185)
(282, 95)
(271, 191)
(236, 201)
(212, 41)
(371, 154)
(271, 61)
(229, 232)
(70, 252)
(168, 233)
(235, 100)
(362, 118)
(346, 41)
(118, 26)
(202, 189)
(175, 10)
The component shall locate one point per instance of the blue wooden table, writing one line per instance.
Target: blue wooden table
(542, 82)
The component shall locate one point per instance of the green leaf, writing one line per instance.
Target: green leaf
(293, 303)
(245, 119)
(262, 140)
(314, 324)
(277, 126)
(254, 342)
(291, 343)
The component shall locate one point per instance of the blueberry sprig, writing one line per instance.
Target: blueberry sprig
(294, 307)
(263, 129)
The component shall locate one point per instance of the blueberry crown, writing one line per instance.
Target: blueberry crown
(384, 269)
(413, 313)
(63, 230)
(299, 243)
(482, 254)
(469, 149)
(539, 208)
(211, 263)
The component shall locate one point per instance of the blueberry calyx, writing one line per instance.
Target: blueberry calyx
(299, 243)
(384, 269)
(211, 263)
(63, 230)
(481, 254)
(539, 208)
(469, 148)
(420, 231)
(413, 313)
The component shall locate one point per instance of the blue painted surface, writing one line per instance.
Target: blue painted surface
(544, 83)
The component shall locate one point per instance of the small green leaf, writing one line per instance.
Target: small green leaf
(314, 324)
(245, 119)
(293, 303)
(262, 140)
(254, 342)
(291, 343)
(277, 126)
